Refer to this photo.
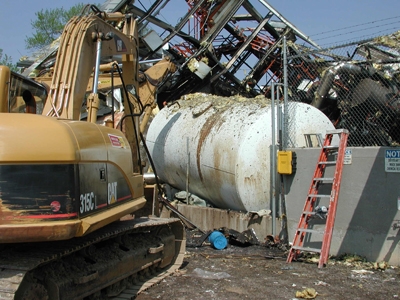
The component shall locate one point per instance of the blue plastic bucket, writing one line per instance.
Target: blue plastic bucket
(217, 240)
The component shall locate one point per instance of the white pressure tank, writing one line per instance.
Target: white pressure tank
(226, 144)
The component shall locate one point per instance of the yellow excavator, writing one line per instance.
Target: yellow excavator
(73, 223)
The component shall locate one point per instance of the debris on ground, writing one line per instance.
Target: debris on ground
(245, 238)
(209, 275)
(261, 272)
(362, 271)
(319, 282)
(308, 293)
(195, 238)
(380, 265)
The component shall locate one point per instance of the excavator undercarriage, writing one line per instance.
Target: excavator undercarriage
(116, 262)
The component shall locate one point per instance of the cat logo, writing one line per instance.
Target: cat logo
(112, 192)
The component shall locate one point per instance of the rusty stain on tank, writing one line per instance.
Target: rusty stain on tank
(213, 121)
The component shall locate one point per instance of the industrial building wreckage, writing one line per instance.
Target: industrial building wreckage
(223, 38)
(231, 56)
(227, 48)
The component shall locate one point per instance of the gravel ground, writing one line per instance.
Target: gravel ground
(261, 272)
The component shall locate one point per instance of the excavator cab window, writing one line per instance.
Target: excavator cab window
(26, 95)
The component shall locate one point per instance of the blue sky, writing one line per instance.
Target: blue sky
(319, 19)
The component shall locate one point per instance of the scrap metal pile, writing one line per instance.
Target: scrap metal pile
(235, 47)
(358, 91)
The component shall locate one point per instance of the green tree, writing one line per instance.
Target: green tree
(49, 25)
(6, 60)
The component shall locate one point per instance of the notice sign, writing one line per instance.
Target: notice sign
(392, 161)
(348, 154)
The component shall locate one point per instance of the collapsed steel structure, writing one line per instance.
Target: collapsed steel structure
(231, 47)
(215, 41)
(212, 43)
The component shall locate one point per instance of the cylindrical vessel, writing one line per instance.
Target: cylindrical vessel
(218, 240)
(226, 142)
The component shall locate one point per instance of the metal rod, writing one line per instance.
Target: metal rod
(187, 170)
(279, 118)
(285, 98)
(273, 158)
(97, 66)
(282, 183)
(280, 138)
(112, 96)
(285, 122)
(275, 119)
(294, 28)
(149, 61)
(153, 206)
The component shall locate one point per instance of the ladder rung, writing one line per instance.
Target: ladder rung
(330, 147)
(309, 212)
(306, 249)
(337, 131)
(331, 162)
(318, 195)
(323, 178)
(307, 230)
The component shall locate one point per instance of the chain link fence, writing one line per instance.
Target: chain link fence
(357, 85)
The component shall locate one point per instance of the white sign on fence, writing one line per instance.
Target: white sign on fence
(392, 161)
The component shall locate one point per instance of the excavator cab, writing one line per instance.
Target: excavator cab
(19, 94)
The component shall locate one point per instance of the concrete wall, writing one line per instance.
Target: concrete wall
(367, 207)
(207, 218)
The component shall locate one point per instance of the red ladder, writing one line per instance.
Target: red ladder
(310, 210)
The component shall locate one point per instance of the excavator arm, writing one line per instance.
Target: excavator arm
(84, 42)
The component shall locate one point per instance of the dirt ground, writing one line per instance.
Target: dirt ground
(261, 272)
